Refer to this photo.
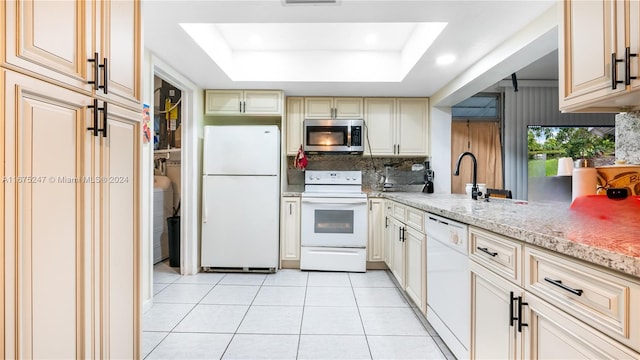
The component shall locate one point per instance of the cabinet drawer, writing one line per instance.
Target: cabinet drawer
(415, 218)
(601, 299)
(398, 211)
(498, 253)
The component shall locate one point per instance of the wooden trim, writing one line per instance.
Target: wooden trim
(376, 265)
(290, 264)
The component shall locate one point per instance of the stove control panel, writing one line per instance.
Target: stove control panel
(319, 177)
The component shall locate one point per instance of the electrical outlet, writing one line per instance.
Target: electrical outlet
(172, 92)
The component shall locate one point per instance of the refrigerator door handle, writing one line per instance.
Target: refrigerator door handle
(204, 202)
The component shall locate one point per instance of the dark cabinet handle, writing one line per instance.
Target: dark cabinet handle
(520, 305)
(559, 284)
(627, 64)
(105, 116)
(614, 71)
(95, 72)
(511, 304)
(386, 222)
(486, 251)
(95, 108)
(105, 75)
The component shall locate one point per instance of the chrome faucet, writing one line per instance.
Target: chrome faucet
(474, 187)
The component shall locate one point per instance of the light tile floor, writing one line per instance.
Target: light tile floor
(287, 315)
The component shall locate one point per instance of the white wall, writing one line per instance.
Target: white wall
(440, 140)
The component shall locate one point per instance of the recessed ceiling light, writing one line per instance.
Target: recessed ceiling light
(371, 39)
(445, 59)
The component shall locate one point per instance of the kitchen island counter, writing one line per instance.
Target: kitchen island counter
(603, 240)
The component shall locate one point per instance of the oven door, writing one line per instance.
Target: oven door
(334, 222)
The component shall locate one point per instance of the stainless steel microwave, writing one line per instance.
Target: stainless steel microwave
(334, 135)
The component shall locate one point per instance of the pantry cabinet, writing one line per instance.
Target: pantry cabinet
(599, 43)
(375, 244)
(333, 108)
(290, 230)
(70, 215)
(243, 102)
(295, 123)
(397, 126)
(91, 47)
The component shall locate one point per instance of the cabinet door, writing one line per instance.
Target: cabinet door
(634, 40)
(416, 267)
(380, 126)
(375, 244)
(260, 102)
(494, 335)
(46, 221)
(223, 102)
(120, 241)
(290, 229)
(318, 107)
(389, 237)
(347, 108)
(47, 38)
(295, 122)
(412, 128)
(119, 28)
(555, 335)
(591, 32)
(398, 265)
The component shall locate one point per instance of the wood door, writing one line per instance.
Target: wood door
(120, 242)
(591, 32)
(412, 128)
(389, 237)
(223, 102)
(347, 107)
(416, 267)
(380, 120)
(483, 140)
(47, 218)
(295, 122)
(398, 268)
(553, 334)
(318, 108)
(290, 229)
(47, 38)
(119, 29)
(375, 244)
(493, 334)
(261, 102)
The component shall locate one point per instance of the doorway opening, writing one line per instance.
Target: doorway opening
(167, 172)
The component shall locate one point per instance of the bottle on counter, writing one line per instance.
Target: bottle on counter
(584, 180)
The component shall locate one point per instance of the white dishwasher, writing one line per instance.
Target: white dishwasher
(448, 307)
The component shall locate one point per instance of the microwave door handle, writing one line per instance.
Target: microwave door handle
(349, 136)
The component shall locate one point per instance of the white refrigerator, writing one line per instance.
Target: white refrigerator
(241, 197)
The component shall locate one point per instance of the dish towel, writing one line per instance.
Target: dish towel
(300, 161)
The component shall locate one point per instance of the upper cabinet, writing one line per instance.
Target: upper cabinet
(295, 120)
(333, 108)
(598, 56)
(397, 126)
(54, 40)
(243, 102)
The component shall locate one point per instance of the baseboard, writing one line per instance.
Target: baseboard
(290, 264)
(376, 265)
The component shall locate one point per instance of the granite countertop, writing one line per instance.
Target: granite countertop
(610, 241)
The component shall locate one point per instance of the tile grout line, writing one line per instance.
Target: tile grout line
(364, 333)
(304, 306)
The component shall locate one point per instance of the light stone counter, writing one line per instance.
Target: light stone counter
(598, 240)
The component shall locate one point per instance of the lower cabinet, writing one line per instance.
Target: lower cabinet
(375, 241)
(405, 250)
(290, 232)
(542, 315)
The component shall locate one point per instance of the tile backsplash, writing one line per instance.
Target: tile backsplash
(628, 137)
(372, 168)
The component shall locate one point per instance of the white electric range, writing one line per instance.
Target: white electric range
(334, 222)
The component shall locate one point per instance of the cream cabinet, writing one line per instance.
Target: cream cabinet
(295, 123)
(388, 235)
(529, 303)
(93, 47)
(599, 43)
(70, 215)
(375, 243)
(243, 102)
(333, 108)
(397, 126)
(290, 231)
(406, 242)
